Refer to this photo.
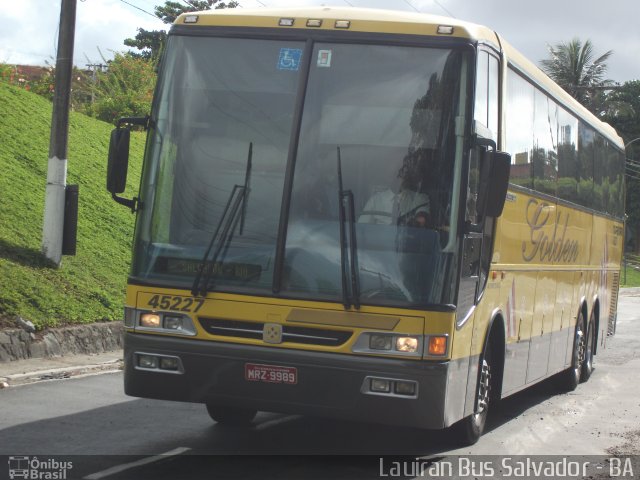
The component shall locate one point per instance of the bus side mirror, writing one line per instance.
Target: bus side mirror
(494, 181)
(118, 162)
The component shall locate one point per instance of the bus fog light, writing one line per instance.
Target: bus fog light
(407, 344)
(404, 388)
(437, 345)
(150, 320)
(380, 385)
(147, 361)
(169, 363)
(172, 323)
(380, 342)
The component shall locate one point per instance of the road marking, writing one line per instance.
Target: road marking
(126, 466)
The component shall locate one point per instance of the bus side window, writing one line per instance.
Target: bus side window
(486, 103)
(471, 214)
(482, 89)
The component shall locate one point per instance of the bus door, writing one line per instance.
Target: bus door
(476, 245)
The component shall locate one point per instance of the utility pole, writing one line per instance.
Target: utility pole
(57, 167)
(95, 67)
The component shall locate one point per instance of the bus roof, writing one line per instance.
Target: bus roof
(361, 20)
(394, 22)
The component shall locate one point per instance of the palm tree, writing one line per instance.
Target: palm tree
(573, 66)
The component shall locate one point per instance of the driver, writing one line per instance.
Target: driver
(404, 207)
(401, 205)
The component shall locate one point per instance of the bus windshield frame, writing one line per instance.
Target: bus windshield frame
(271, 116)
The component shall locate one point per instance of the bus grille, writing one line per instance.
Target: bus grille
(304, 335)
(613, 306)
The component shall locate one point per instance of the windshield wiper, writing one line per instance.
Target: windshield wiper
(237, 202)
(348, 249)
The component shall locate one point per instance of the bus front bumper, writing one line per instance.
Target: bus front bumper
(327, 384)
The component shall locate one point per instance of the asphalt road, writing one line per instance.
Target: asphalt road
(91, 423)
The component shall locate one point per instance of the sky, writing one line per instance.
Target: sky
(29, 27)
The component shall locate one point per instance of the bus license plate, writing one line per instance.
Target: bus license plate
(257, 372)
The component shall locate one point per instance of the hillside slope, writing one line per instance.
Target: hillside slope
(90, 286)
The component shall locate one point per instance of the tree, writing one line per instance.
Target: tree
(573, 65)
(150, 43)
(125, 90)
(627, 122)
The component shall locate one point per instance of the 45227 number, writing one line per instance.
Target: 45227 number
(178, 304)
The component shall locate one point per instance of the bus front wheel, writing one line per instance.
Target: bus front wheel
(469, 430)
(231, 416)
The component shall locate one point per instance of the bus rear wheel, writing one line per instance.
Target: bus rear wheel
(231, 416)
(587, 363)
(573, 374)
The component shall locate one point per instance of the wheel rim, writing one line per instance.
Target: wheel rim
(581, 346)
(588, 346)
(484, 388)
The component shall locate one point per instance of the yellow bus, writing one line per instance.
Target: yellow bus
(382, 216)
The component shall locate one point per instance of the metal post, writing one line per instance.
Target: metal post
(57, 166)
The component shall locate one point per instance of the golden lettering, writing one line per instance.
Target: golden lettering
(542, 246)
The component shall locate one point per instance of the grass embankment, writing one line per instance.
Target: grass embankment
(90, 286)
(630, 278)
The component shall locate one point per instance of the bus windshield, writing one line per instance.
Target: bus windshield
(224, 122)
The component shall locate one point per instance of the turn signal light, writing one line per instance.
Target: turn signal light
(437, 345)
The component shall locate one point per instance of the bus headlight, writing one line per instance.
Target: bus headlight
(407, 344)
(380, 342)
(165, 322)
(172, 322)
(389, 344)
(150, 320)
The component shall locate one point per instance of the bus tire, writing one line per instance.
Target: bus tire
(231, 416)
(573, 374)
(587, 363)
(469, 430)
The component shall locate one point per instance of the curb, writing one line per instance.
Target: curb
(46, 374)
(630, 292)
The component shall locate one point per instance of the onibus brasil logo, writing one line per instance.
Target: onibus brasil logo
(31, 468)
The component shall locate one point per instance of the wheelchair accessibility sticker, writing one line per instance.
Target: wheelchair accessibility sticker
(289, 59)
